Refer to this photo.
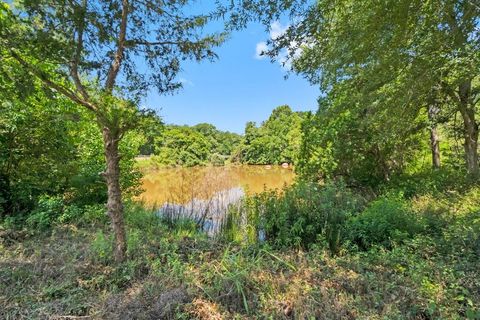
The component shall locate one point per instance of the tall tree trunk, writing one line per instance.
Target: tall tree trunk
(114, 204)
(434, 139)
(470, 129)
(381, 163)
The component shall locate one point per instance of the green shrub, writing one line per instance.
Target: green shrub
(140, 218)
(70, 213)
(385, 221)
(13, 222)
(52, 209)
(217, 159)
(48, 209)
(306, 213)
(87, 215)
(94, 214)
(134, 243)
(427, 182)
(102, 247)
(3, 202)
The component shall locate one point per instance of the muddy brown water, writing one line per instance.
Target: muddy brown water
(181, 185)
(206, 194)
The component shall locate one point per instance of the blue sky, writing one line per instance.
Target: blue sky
(238, 87)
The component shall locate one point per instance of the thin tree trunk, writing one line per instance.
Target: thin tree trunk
(114, 203)
(381, 163)
(434, 139)
(470, 129)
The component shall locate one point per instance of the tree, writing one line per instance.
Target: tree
(151, 126)
(183, 146)
(222, 142)
(399, 53)
(50, 147)
(277, 140)
(191, 146)
(105, 56)
(361, 142)
(36, 147)
(414, 46)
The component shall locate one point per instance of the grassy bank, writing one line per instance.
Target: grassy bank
(174, 272)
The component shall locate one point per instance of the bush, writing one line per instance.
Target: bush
(427, 182)
(137, 217)
(52, 209)
(385, 221)
(94, 214)
(3, 202)
(306, 213)
(134, 244)
(48, 209)
(102, 247)
(13, 222)
(70, 213)
(217, 159)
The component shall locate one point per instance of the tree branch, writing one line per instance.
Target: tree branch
(49, 83)
(132, 43)
(78, 52)
(117, 61)
(451, 93)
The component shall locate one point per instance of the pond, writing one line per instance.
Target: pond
(205, 194)
(181, 185)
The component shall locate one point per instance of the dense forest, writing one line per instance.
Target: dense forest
(277, 140)
(192, 146)
(382, 221)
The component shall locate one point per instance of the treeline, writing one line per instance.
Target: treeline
(275, 141)
(400, 82)
(193, 145)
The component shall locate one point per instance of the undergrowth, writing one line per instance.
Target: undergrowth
(399, 258)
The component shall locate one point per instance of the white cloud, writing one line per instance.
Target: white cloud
(277, 30)
(283, 60)
(185, 82)
(260, 48)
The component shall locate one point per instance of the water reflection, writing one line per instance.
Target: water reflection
(208, 214)
(204, 194)
(181, 185)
